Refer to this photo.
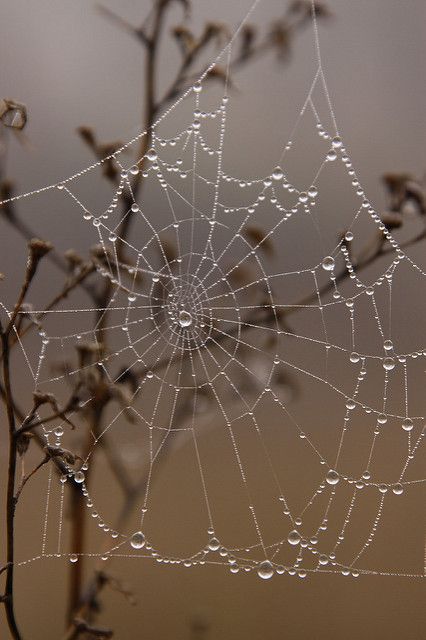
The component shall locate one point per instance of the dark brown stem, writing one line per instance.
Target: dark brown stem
(10, 500)
(78, 522)
(30, 475)
(77, 515)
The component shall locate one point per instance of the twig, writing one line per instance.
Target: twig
(10, 500)
(30, 475)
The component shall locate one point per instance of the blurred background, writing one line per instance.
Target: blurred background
(72, 66)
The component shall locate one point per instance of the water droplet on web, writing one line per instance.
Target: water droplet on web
(336, 142)
(332, 477)
(388, 364)
(398, 489)
(73, 558)
(407, 425)
(265, 570)
(152, 155)
(277, 173)
(185, 319)
(137, 540)
(328, 263)
(79, 477)
(214, 544)
(293, 537)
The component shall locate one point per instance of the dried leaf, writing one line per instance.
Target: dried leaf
(168, 250)
(280, 38)
(303, 8)
(247, 39)
(392, 220)
(88, 135)
(259, 238)
(13, 114)
(185, 39)
(22, 443)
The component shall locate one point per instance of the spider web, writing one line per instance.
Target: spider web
(198, 330)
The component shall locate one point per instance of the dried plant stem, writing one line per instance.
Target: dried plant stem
(78, 507)
(10, 500)
(78, 524)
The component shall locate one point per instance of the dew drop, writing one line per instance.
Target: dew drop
(328, 263)
(185, 319)
(137, 540)
(388, 364)
(336, 142)
(152, 155)
(398, 489)
(354, 357)
(73, 558)
(407, 425)
(265, 570)
(214, 544)
(332, 477)
(79, 477)
(277, 173)
(293, 538)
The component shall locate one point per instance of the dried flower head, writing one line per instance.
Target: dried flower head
(13, 114)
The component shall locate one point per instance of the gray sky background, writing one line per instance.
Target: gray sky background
(72, 67)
